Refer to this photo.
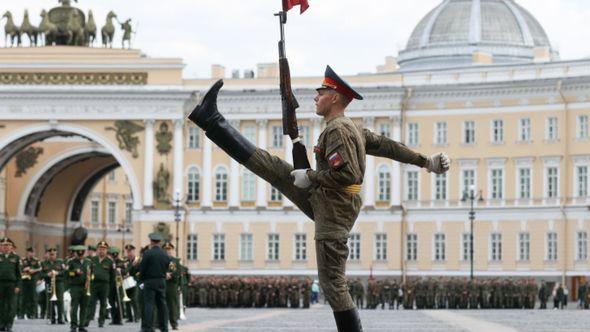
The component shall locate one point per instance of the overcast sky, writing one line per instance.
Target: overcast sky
(351, 35)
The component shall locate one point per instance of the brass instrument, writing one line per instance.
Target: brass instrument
(118, 287)
(53, 286)
(87, 284)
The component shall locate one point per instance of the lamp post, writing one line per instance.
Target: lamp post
(176, 203)
(123, 228)
(471, 196)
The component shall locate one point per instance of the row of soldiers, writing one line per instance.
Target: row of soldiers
(100, 276)
(448, 293)
(248, 292)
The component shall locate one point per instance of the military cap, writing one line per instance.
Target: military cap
(155, 237)
(334, 82)
(5, 240)
(114, 250)
(92, 247)
(129, 246)
(168, 245)
(102, 244)
(78, 248)
(30, 249)
(51, 250)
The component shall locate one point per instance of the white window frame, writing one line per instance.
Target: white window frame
(551, 246)
(246, 247)
(248, 189)
(194, 135)
(491, 193)
(380, 247)
(439, 250)
(467, 165)
(384, 183)
(581, 245)
(582, 126)
(524, 246)
(273, 247)
(413, 134)
(115, 212)
(552, 128)
(465, 245)
(385, 129)
(277, 137)
(413, 170)
(128, 213)
(579, 184)
(435, 188)
(192, 247)
(300, 247)
(218, 251)
(275, 195)
(551, 162)
(525, 131)
(464, 129)
(411, 247)
(94, 223)
(354, 247)
(221, 184)
(495, 243)
(497, 131)
(249, 131)
(519, 182)
(441, 133)
(193, 192)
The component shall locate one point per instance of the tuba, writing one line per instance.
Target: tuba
(53, 287)
(88, 278)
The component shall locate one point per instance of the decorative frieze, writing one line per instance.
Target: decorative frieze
(73, 78)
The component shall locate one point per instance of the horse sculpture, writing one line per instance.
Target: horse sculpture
(47, 30)
(30, 30)
(11, 29)
(90, 30)
(75, 31)
(108, 30)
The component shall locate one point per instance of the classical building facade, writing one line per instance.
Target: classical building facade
(488, 89)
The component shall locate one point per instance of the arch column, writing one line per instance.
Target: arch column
(261, 200)
(178, 159)
(148, 163)
(369, 180)
(234, 176)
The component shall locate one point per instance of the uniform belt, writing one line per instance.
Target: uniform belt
(353, 189)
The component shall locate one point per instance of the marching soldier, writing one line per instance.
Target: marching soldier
(115, 296)
(102, 274)
(53, 272)
(132, 310)
(329, 195)
(172, 284)
(10, 283)
(30, 276)
(78, 276)
(153, 270)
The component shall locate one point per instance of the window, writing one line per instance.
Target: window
(412, 247)
(524, 246)
(275, 195)
(582, 246)
(582, 126)
(524, 183)
(354, 247)
(551, 133)
(381, 247)
(94, 216)
(385, 130)
(524, 130)
(497, 131)
(248, 186)
(496, 247)
(221, 184)
(440, 136)
(412, 187)
(273, 247)
(112, 213)
(250, 133)
(468, 181)
(193, 180)
(439, 247)
(277, 137)
(305, 136)
(440, 187)
(466, 246)
(218, 247)
(128, 213)
(582, 182)
(191, 247)
(551, 246)
(497, 179)
(246, 246)
(112, 176)
(300, 247)
(552, 182)
(193, 138)
(469, 132)
(384, 183)
(412, 138)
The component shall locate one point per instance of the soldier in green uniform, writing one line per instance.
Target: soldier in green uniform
(172, 284)
(131, 308)
(54, 268)
(153, 270)
(79, 273)
(31, 267)
(102, 274)
(10, 283)
(329, 195)
(115, 291)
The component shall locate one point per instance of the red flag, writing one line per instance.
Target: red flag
(288, 4)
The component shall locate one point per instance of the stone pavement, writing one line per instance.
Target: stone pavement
(319, 318)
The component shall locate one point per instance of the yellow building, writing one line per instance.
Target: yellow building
(488, 89)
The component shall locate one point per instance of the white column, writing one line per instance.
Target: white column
(261, 186)
(396, 175)
(369, 181)
(289, 159)
(178, 159)
(234, 176)
(207, 165)
(316, 136)
(148, 163)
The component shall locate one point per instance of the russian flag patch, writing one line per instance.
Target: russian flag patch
(335, 160)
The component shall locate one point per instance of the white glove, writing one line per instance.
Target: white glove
(438, 163)
(300, 178)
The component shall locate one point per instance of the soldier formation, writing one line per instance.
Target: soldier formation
(250, 292)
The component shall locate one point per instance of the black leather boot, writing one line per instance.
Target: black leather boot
(218, 129)
(348, 321)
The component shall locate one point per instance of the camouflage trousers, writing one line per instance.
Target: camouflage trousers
(331, 254)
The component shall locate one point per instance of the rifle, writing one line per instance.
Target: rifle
(289, 103)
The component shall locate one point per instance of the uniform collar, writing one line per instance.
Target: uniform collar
(336, 117)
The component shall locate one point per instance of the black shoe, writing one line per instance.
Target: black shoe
(82, 329)
(116, 323)
(60, 322)
(348, 321)
(100, 324)
(218, 129)
(73, 329)
(52, 322)
(129, 321)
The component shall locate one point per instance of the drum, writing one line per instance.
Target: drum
(129, 282)
(40, 287)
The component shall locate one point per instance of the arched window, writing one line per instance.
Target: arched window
(193, 184)
(248, 186)
(221, 184)
(384, 184)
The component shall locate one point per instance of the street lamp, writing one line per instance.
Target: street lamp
(471, 196)
(123, 228)
(176, 203)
